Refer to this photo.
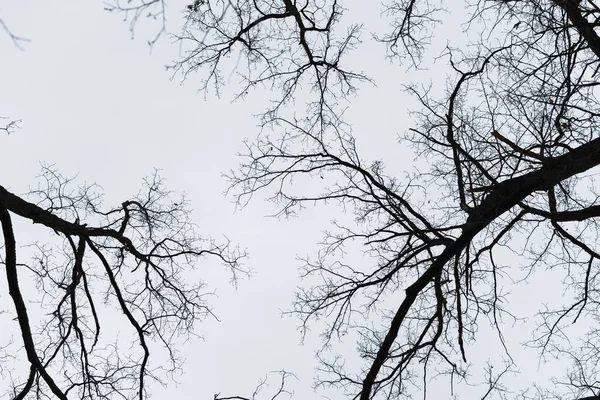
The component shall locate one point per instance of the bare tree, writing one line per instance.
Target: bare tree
(512, 147)
(132, 266)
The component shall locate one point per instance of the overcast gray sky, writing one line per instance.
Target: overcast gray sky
(96, 103)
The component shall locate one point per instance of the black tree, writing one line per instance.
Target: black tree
(511, 148)
(131, 266)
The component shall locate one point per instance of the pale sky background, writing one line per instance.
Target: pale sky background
(94, 102)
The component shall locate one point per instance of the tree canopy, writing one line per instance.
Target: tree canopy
(505, 191)
(134, 257)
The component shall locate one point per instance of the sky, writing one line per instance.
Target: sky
(98, 103)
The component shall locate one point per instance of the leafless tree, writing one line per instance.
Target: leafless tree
(99, 279)
(511, 146)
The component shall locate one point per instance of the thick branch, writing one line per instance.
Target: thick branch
(20, 308)
(502, 198)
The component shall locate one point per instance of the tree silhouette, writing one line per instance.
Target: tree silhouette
(511, 148)
(137, 258)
